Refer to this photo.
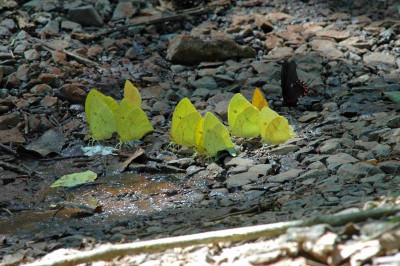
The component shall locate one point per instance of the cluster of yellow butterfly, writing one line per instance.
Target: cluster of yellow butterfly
(249, 120)
(105, 116)
(208, 135)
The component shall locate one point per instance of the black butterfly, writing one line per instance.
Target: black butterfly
(292, 87)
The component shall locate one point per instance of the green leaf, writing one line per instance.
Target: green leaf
(75, 179)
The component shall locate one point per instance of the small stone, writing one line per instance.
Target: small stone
(390, 167)
(22, 72)
(334, 34)
(379, 58)
(8, 121)
(357, 171)
(330, 146)
(308, 117)
(85, 15)
(335, 161)
(326, 48)
(373, 179)
(262, 22)
(59, 57)
(377, 135)
(280, 52)
(316, 165)
(240, 180)
(381, 151)
(262, 169)
(42, 5)
(206, 82)
(124, 9)
(394, 122)
(11, 136)
(70, 25)
(284, 149)
(51, 29)
(272, 42)
(333, 189)
(73, 92)
(315, 173)
(40, 89)
(47, 78)
(48, 101)
(278, 16)
(292, 174)
(236, 161)
(31, 55)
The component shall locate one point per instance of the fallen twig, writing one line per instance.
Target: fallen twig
(109, 252)
(9, 150)
(77, 57)
(180, 16)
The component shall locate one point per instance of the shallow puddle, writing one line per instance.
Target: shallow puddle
(121, 197)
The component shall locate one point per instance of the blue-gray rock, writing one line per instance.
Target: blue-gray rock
(377, 135)
(381, 151)
(85, 15)
(357, 171)
(390, 167)
(124, 9)
(315, 173)
(332, 189)
(373, 179)
(335, 161)
(43, 5)
(206, 82)
(284, 149)
(51, 28)
(262, 169)
(330, 146)
(394, 122)
(285, 176)
(240, 180)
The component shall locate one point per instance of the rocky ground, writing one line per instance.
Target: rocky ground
(344, 159)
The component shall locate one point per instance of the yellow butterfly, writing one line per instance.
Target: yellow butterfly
(100, 113)
(274, 128)
(215, 136)
(258, 100)
(199, 138)
(132, 121)
(184, 122)
(132, 93)
(243, 117)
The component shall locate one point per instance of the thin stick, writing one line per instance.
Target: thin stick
(8, 149)
(77, 57)
(181, 16)
(109, 252)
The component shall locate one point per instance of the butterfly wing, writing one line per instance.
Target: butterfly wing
(184, 122)
(292, 87)
(258, 100)
(132, 93)
(246, 124)
(102, 123)
(278, 131)
(199, 137)
(216, 135)
(132, 121)
(274, 129)
(243, 117)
